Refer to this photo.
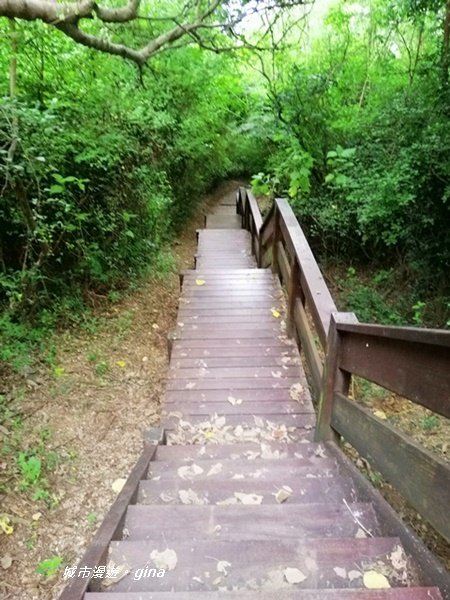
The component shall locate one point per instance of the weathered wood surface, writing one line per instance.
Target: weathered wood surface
(304, 490)
(414, 363)
(422, 478)
(232, 523)
(337, 594)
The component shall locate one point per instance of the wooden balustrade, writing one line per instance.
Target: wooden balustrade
(411, 362)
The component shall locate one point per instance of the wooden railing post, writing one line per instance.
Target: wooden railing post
(293, 292)
(276, 239)
(334, 379)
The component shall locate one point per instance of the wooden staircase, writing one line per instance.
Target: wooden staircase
(238, 501)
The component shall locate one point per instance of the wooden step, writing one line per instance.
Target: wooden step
(236, 361)
(224, 372)
(223, 222)
(234, 523)
(244, 451)
(423, 593)
(275, 423)
(249, 407)
(247, 396)
(251, 565)
(237, 264)
(304, 490)
(227, 470)
(234, 274)
(230, 383)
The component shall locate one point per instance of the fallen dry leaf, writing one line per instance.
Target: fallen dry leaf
(295, 391)
(215, 469)
(6, 561)
(293, 575)
(354, 575)
(275, 313)
(283, 494)
(120, 572)
(167, 559)
(200, 282)
(380, 414)
(340, 572)
(248, 498)
(118, 484)
(189, 471)
(233, 401)
(222, 567)
(190, 497)
(375, 581)
(398, 558)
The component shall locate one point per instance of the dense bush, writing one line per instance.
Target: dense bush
(362, 144)
(99, 168)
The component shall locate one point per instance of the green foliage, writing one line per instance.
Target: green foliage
(98, 171)
(430, 422)
(50, 566)
(369, 300)
(360, 143)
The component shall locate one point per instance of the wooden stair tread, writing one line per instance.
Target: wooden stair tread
(304, 490)
(244, 522)
(422, 593)
(223, 222)
(244, 451)
(208, 372)
(255, 407)
(260, 469)
(258, 564)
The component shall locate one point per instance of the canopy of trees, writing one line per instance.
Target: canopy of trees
(99, 164)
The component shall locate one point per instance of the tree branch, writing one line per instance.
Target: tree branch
(67, 18)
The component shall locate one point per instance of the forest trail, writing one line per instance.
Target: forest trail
(236, 500)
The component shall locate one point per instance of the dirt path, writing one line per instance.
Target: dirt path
(83, 420)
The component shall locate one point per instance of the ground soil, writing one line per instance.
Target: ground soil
(86, 413)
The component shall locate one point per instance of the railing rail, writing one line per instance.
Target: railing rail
(411, 362)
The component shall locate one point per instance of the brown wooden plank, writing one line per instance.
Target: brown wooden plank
(424, 593)
(216, 346)
(184, 350)
(258, 469)
(240, 428)
(249, 407)
(412, 363)
(304, 491)
(236, 361)
(238, 431)
(206, 304)
(228, 285)
(242, 451)
(223, 222)
(225, 320)
(204, 293)
(252, 561)
(261, 394)
(422, 478)
(240, 522)
(309, 348)
(111, 527)
(312, 282)
(208, 372)
(232, 383)
(224, 333)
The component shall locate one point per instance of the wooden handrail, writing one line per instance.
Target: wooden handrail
(412, 362)
(280, 242)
